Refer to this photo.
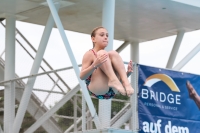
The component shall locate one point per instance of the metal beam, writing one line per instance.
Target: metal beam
(17, 31)
(134, 51)
(123, 119)
(73, 61)
(134, 99)
(55, 83)
(34, 75)
(120, 114)
(83, 114)
(75, 113)
(41, 66)
(43, 60)
(123, 46)
(34, 58)
(9, 93)
(51, 124)
(108, 20)
(48, 91)
(108, 17)
(66, 117)
(35, 68)
(50, 112)
(175, 49)
(187, 58)
(77, 122)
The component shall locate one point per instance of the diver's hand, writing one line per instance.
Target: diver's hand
(100, 60)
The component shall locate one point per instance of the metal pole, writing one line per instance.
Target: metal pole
(83, 114)
(108, 17)
(123, 46)
(73, 61)
(9, 92)
(35, 75)
(134, 97)
(35, 68)
(108, 20)
(175, 49)
(187, 58)
(134, 51)
(75, 113)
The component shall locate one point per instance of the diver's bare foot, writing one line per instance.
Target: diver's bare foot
(117, 85)
(129, 89)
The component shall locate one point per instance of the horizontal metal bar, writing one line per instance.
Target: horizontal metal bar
(34, 75)
(49, 91)
(66, 117)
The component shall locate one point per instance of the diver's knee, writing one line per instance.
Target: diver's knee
(101, 52)
(113, 53)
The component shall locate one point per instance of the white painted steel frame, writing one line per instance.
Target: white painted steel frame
(134, 52)
(20, 34)
(78, 120)
(49, 92)
(134, 58)
(175, 49)
(75, 113)
(50, 125)
(50, 112)
(187, 58)
(54, 85)
(43, 59)
(108, 17)
(122, 116)
(73, 61)
(108, 20)
(34, 75)
(83, 113)
(123, 46)
(35, 68)
(123, 119)
(9, 92)
(134, 99)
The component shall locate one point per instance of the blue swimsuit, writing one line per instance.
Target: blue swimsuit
(110, 94)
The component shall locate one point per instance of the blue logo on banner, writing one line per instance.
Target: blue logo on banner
(164, 105)
(163, 95)
(151, 80)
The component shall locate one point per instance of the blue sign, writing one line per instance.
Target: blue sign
(168, 101)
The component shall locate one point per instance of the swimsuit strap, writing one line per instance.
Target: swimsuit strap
(94, 52)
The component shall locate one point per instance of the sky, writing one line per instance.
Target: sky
(152, 53)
